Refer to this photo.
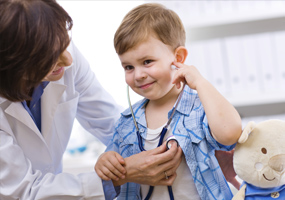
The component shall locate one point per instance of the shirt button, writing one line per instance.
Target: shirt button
(275, 195)
(121, 140)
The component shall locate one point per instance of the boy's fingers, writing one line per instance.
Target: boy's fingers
(117, 163)
(103, 176)
(120, 159)
(178, 64)
(110, 173)
(114, 169)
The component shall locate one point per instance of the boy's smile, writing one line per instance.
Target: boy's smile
(148, 68)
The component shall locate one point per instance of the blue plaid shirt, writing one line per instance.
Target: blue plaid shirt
(190, 127)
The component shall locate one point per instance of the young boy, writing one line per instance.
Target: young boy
(149, 40)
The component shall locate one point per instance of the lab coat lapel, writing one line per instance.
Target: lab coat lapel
(17, 111)
(49, 101)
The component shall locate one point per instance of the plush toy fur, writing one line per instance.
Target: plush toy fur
(259, 160)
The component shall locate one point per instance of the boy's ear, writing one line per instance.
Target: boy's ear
(180, 54)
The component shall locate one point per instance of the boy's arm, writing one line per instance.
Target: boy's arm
(223, 118)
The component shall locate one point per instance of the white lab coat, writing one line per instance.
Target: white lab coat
(30, 161)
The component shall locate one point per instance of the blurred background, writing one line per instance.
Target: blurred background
(239, 46)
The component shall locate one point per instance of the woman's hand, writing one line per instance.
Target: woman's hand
(225, 159)
(153, 166)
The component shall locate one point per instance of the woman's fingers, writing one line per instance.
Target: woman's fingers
(171, 166)
(169, 181)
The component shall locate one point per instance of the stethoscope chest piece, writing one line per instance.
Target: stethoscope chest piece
(171, 140)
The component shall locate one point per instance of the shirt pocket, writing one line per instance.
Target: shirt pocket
(68, 106)
(126, 147)
(126, 140)
(195, 134)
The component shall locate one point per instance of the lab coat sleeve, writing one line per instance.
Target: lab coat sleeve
(19, 181)
(97, 111)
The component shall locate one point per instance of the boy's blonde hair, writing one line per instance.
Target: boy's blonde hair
(149, 19)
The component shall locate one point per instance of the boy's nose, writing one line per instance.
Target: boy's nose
(140, 74)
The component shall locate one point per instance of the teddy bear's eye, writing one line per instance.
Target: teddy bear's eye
(263, 150)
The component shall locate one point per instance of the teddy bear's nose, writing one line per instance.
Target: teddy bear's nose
(277, 162)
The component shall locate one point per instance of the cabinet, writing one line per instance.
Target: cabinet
(239, 46)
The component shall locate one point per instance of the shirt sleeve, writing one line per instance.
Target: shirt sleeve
(110, 191)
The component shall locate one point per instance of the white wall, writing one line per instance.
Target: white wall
(95, 23)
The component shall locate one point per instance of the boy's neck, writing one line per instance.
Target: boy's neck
(157, 110)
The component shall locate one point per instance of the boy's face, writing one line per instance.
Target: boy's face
(148, 68)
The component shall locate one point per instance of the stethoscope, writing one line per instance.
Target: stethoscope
(162, 134)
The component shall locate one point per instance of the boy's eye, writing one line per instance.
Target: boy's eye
(146, 62)
(129, 67)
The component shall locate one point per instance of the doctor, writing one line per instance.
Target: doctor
(45, 83)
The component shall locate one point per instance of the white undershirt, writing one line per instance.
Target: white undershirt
(183, 186)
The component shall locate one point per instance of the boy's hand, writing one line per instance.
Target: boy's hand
(110, 166)
(187, 73)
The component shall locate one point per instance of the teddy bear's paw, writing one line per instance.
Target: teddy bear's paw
(240, 195)
(246, 131)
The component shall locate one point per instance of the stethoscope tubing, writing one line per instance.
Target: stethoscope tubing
(162, 134)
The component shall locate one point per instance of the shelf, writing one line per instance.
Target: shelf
(216, 19)
(259, 104)
(266, 109)
(227, 28)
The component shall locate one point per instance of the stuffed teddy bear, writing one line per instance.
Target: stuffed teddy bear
(259, 160)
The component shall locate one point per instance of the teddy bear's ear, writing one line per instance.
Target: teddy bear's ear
(246, 131)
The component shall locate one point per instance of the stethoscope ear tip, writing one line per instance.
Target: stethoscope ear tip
(173, 67)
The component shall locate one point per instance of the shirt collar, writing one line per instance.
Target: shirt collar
(37, 93)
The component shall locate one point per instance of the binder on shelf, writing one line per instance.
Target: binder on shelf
(197, 57)
(279, 44)
(184, 9)
(244, 6)
(251, 69)
(209, 7)
(235, 65)
(215, 63)
(226, 7)
(264, 50)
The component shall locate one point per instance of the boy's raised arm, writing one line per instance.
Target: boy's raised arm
(223, 118)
